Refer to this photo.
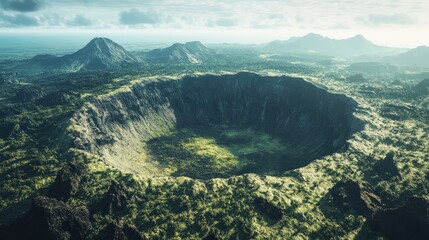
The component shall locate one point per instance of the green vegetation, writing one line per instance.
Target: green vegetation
(221, 151)
(172, 207)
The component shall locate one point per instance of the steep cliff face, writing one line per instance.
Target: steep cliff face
(116, 127)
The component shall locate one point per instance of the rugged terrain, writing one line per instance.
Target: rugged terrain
(206, 151)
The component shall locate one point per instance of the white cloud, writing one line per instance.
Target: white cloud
(386, 19)
(341, 17)
(135, 16)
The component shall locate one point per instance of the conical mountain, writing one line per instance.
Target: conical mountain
(98, 54)
(178, 53)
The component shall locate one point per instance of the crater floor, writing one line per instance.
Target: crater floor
(222, 151)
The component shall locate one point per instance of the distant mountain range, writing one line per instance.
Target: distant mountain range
(188, 53)
(415, 57)
(104, 54)
(317, 44)
(98, 54)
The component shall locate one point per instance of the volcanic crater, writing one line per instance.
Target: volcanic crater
(213, 126)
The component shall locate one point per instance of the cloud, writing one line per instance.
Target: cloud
(80, 21)
(21, 5)
(15, 20)
(135, 16)
(385, 19)
(299, 19)
(340, 25)
(222, 22)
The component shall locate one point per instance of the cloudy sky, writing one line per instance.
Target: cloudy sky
(389, 22)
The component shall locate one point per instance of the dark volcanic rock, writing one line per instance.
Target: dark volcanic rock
(356, 195)
(56, 98)
(268, 209)
(28, 94)
(50, 219)
(115, 199)
(67, 181)
(9, 130)
(212, 236)
(387, 167)
(115, 232)
(410, 221)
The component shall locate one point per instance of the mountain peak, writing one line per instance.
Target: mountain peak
(313, 36)
(104, 45)
(101, 53)
(196, 46)
(313, 43)
(191, 52)
(359, 36)
(98, 40)
(194, 43)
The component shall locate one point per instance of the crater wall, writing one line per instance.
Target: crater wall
(116, 127)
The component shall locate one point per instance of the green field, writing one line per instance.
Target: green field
(221, 151)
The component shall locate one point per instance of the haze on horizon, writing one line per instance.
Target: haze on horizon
(397, 23)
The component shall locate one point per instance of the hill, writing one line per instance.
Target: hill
(415, 57)
(98, 54)
(188, 53)
(317, 44)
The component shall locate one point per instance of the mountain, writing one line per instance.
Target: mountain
(415, 57)
(422, 88)
(317, 44)
(188, 53)
(98, 54)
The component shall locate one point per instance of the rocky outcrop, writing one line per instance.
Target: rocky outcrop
(386, 167)
(422, 88)
(56, 98)
(67, 181)
(356, 195)
(116, 232)
(49, 219)
(410, 221)
(268, 209)
(29, 94)
(116, 199)
(116, 127)
(7, 78)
